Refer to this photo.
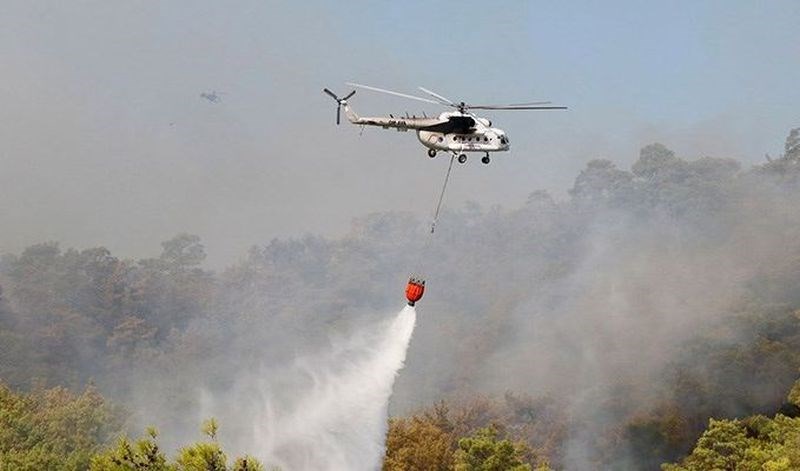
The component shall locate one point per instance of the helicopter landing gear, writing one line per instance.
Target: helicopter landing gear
(462, 158)
(431, 153)
(485, 159)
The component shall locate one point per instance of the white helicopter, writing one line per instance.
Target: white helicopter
(456, 132)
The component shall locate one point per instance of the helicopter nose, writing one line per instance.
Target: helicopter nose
(504, 141)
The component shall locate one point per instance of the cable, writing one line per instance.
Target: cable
(423, 254)
(441, 196)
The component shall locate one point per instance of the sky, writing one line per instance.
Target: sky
(105, 140)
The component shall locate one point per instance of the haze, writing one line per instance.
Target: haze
(104, 139)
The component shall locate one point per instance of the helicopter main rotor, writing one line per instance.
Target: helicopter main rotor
(461, 106)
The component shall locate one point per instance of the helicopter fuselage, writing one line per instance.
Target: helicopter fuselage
(454, 132)
(482, 137)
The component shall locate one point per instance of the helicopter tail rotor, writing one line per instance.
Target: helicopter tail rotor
(339, 102)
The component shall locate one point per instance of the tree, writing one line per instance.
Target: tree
(417, 444)
(204, 456)
(654, 159)
(483, 451)
(143, 455)
(248, 463)
(791, 149)
(146, 455)
(54, 429)
(182, 252)
(15, 346)
(787, 164)
(601, 181)
(756, 442)
(794, 394)
(170, 290)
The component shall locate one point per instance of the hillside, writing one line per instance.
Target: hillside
(601, 330)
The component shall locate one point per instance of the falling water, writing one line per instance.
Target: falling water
(336, 420)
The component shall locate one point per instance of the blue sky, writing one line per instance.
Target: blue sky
(105, 141)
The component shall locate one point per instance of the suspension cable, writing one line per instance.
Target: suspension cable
(441, 195)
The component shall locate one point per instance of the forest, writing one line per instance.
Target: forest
(651, 318)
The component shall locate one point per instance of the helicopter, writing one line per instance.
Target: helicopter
(457, 132)
(213, 96)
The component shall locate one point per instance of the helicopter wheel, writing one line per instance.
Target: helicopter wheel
(462, 158)
(485, 159)
(431, 153)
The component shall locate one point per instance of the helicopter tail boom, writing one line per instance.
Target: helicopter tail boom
(350, 114)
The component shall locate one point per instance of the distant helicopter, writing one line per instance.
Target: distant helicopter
(212, 96)
(456, 132)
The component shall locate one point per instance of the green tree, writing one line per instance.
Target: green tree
(483, 451)
(54, 429)
(204, 456)
(146, 455)
(248, 463)
(794, 394)
(143, 455)
(754, 443)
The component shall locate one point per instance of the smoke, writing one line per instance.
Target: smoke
(589, 301)
(614, 323)
(326, 411)
(594, 301)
